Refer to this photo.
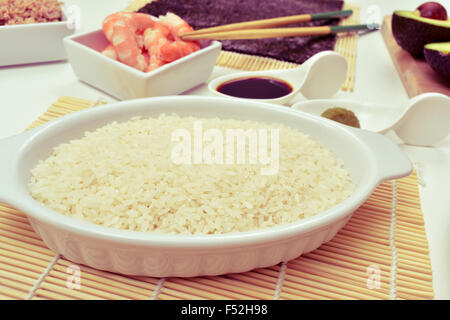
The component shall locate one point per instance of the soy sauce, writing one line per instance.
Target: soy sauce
(256, 88)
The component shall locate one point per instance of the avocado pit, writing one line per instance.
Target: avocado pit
(432, 10)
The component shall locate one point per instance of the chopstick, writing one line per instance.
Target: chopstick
(273, 22)
(278, 32)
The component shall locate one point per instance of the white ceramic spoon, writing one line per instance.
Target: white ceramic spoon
(321, 76)
(422, 121)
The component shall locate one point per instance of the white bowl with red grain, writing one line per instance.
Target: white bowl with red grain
(34, 33)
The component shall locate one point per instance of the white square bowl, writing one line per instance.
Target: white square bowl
(125, 82)
(36, 42)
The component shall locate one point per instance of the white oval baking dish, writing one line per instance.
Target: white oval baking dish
(370, 158)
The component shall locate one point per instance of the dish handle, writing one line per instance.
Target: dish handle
(392, 162)
(9, 150)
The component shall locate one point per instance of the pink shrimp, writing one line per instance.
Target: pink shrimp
(124, 32)
(154, 39)
(110, 52)
(178, 48)
(175, 24)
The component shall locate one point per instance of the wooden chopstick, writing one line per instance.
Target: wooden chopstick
(273, 22)
(277, 32)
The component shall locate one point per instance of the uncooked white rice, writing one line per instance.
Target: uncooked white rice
(122, 176)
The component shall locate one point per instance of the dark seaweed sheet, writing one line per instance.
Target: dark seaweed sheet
(209, 13)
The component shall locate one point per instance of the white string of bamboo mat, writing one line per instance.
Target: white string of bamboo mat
(42, 277)
(418, 166)
(280, 280)
(393, 291)
(347, 45)
(158, 288)
(337, 270)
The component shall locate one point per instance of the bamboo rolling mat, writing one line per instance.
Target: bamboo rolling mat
(346, 44)
(382, 253)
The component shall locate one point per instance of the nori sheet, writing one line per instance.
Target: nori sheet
(209, 13)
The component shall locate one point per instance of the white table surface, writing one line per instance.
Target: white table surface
(27, 91)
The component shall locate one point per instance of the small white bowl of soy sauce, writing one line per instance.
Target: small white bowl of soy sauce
(320, 77)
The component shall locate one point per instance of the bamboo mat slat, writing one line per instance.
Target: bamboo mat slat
(386, 234)
(346, 44)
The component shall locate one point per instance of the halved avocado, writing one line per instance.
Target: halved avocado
(437, 56)
(412, 32)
